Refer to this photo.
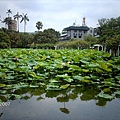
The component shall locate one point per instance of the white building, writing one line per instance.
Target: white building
(78, 32)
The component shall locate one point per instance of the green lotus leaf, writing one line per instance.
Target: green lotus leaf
(118, 78)
(65, 86)
(34, 86)
(106, 96)
(86, 81)
(2, 85)
(2, 75)
(117, 93)
(77, 77)
(106, 90)
(13, 96)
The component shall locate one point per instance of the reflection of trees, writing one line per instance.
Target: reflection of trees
(102, 102)
(89, 94)
(86, 93)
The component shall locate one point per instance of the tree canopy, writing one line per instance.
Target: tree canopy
(4, 40)
(108, 28)
(47, 36)
(39, 25)
(109, 32)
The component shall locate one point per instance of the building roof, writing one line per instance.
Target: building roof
(85, 28)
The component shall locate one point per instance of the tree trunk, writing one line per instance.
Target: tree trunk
(24, 27)
(18, 24)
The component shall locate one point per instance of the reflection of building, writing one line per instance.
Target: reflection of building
(75, 31)
(12, 24)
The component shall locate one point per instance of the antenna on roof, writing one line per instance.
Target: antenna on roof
(84, 24)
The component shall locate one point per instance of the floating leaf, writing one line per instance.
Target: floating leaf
(78, 77)
(34, 86)
(106, 96)
(2, 85)
(117, 92)
(106, 90)
(65, 86)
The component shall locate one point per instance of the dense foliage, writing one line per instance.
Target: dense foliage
(4, 40)
(39, 25)
(73, 44)
(60, 69)
(109, 32)
(47, 36)
(26, 40)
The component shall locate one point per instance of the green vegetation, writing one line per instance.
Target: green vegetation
(39, 25)
(109, 31)
(59, 70)
(24, 19)
(47, 36)
(4, 40)
(73, 44)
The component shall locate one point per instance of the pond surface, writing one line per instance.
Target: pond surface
(72, 104)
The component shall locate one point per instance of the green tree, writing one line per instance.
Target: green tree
(108, 28)
(5, 20)
(112, 43)
(17, 16)
(14, 39)
(39, 25)
(47, 36)
(25, 19)
(91, 40)
(4, 40)
(26, 40)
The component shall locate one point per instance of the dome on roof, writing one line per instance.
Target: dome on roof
(74, 24)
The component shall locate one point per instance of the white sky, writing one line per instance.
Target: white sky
(58, 14)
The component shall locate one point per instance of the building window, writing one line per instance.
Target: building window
(90, 31)
(75, 36)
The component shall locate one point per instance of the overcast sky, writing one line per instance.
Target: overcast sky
(58, 14)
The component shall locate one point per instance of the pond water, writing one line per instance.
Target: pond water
(71, 104)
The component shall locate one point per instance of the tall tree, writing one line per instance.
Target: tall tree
(39, 25)
(5, 20)
(108, 28)
(9, 12)
(17, 16)
(25, 19)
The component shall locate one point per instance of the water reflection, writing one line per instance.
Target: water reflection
(84, 93)
(45, 103)
(1, 114)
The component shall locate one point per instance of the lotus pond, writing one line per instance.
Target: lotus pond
(59, 84)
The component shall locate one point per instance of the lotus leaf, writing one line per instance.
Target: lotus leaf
(2, 85)
(106, 96)
(65, 86)
(117, 92)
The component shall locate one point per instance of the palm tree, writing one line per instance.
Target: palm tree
(39, 25)
(17, 16)
(9, 12)
(5, 20)
(25, 19)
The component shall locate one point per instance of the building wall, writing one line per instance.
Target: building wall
(77, 34)
(12, 25)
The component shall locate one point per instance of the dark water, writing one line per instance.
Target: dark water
(70, 104)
